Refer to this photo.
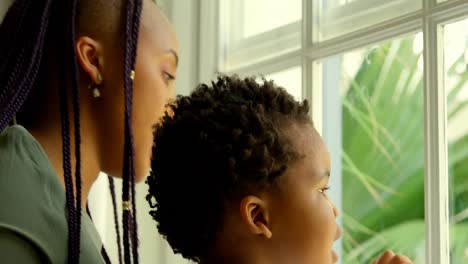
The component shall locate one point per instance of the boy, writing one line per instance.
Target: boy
(240, 175)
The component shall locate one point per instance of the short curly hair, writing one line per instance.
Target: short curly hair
(213, 146)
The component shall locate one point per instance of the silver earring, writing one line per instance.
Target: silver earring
(95, 86)
(96, 92)
(98, 78)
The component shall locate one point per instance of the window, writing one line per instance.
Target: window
(382, 151)
(258, 29)
(257, 14)
(338, 17)
(387, 80)
(290, 79)
(456, 80)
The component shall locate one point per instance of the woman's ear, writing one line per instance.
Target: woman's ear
(90, 57)
(255, 216)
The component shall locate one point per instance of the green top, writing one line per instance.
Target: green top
(33, 214)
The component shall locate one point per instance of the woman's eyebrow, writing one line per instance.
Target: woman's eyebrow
(173, 52)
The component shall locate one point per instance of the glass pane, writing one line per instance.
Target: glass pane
(338, 17)
(260, 16)
(456, 61)
(382, 152)
(256, 30)
(290, 79)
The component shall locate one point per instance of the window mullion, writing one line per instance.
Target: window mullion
(210, 51)
(306, 37)
(365, 37)
(436, 174)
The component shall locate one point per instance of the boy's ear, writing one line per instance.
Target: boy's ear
(255, 216)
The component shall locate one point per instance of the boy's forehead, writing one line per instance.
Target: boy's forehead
(310, 146)
(306, 139)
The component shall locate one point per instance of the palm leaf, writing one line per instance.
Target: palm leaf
(383, 157)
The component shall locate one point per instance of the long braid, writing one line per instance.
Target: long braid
(127, 170)
(67, 171)
(73, 201)
(105, 256)
(21, 60)
(131, 39)
(116, 219)
(13, 32)
(135, 35)
(23, 78)
(17, 86)
(11, 27)
(77, 125)
(11, 104)
(17, 10)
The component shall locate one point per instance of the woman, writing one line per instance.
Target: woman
(240, 175)
(70, 77)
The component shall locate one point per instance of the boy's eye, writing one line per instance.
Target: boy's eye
(324, 190)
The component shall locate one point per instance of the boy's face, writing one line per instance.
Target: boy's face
(303, 219)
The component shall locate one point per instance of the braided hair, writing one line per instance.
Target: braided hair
(31, 25)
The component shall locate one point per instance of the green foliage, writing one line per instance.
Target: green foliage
(383, 158)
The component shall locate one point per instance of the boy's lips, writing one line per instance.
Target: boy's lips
(337, 236)
(338, 233)
(334, 256)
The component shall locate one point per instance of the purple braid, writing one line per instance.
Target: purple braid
(67, 171)
(27, 24)
(135, 36)
(13, 32)
(11, 103)
(128, 148)
(77, 125)
(18, 76)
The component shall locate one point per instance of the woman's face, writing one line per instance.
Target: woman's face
(304, 226)
(155, 72)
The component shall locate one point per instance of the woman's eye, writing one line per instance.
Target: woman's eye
(324, 190)
(168, 77)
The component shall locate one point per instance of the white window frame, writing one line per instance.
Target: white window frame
(343, 18)
(244, 49)
(429, 20)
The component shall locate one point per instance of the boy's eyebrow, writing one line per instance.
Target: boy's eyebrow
(327, 174)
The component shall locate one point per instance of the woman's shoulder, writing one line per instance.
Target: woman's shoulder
(16, 141)
(33, 201)
(15, 135)
(23, 163)
(26, 174)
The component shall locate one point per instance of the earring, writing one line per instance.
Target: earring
(96, 92)
(98, 78)
(95, 86)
